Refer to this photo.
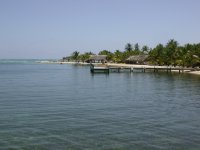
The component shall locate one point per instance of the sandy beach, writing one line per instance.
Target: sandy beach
(195, 72)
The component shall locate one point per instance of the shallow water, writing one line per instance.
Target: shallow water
(49, 106)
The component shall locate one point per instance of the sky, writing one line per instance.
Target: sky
(55, 28)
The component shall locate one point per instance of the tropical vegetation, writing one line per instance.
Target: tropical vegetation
(169, 54)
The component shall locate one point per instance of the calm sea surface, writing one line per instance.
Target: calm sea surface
(65, 107)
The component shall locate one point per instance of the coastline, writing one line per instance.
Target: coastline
(195, 72)
(146, 66)
(115, 65)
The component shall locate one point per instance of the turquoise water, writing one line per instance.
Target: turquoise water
(63, 107)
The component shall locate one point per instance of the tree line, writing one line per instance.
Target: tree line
(169, 54)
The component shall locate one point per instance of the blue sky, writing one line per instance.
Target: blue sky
(56, 28)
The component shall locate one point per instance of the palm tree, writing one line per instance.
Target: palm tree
(136, 47)
(128, 47)
(75, 55)
(118, 56)
(156, 55)
(171, 49)
(145, 49)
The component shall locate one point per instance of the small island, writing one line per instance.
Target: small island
(171, 55)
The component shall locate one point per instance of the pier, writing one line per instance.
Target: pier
(99, 68)
(102, 68)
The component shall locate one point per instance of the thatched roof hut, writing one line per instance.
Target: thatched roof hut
(137, 59)
(97, 59)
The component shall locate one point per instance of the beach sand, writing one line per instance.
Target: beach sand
(195, 72)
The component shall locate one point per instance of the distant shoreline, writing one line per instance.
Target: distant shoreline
(114, 65)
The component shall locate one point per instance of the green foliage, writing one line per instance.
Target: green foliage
(137, 48)
(110, 55)
(172, 54)
(145, 49)
(171, 49)
(157, 56)
(84, 57)
(118, 56)
(75, 55)
(169, 54)
(128, 47)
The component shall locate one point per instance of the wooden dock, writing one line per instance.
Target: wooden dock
(102, 68)
(99, 68)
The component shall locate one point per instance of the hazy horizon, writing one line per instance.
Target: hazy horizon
(52, 29)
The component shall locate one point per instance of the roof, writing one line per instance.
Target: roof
(98, 57)
(137, 58)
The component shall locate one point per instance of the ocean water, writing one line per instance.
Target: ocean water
(65, 107)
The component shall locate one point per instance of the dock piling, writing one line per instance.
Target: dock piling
(107, 69)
